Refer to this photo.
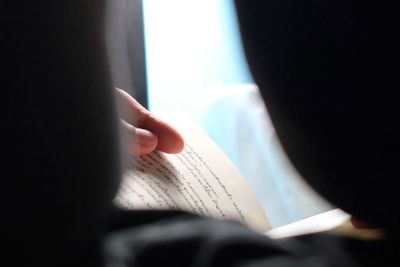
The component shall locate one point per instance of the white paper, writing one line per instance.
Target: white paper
(201, 180)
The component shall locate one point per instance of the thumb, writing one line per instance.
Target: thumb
(138, 141)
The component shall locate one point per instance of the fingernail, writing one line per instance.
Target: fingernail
(145, 137)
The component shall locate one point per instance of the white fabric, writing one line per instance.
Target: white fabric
(236, 119)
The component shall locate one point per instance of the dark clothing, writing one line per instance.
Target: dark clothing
(326, 72)
(179, 239)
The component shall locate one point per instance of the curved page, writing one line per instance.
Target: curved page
(201, 179)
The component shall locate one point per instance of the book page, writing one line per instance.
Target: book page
(201, 180)
(322, 222)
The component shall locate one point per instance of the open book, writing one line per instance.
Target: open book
(201, 179)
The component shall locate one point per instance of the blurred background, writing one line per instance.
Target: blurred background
(186, 55)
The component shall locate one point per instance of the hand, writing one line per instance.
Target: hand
(144, 132)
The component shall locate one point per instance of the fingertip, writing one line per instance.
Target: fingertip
(171, 142)
(179, 144)
(169, 139)
(146, 141)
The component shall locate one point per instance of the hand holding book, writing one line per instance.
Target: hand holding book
(200, 179)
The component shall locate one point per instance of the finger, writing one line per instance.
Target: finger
(138, 141)
(169, 139)
(132, 111)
